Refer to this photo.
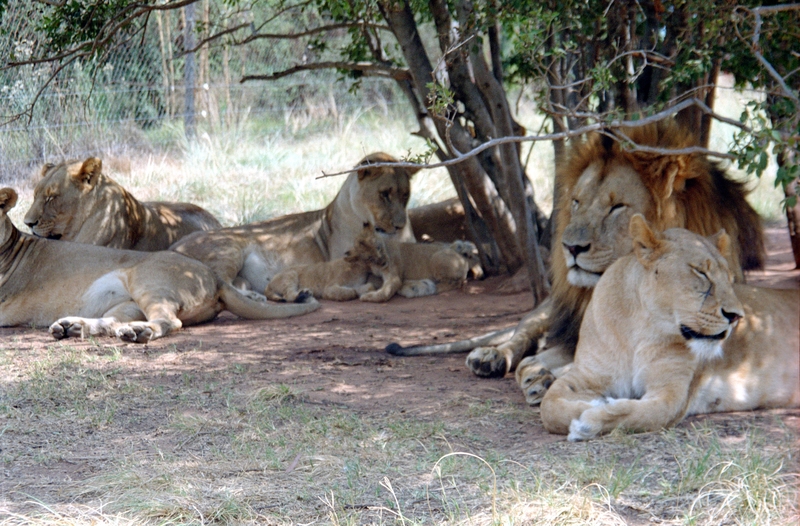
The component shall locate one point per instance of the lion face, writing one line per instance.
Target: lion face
(368, 248)
(688, 286)
(60, 196)
(603, 201)
(383, 194)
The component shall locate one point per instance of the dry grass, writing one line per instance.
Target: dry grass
(161, 443)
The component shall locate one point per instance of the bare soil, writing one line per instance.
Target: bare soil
(334, 356)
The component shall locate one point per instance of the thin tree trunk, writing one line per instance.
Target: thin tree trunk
(189, 73)
(785, 158)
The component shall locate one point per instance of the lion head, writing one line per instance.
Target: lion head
(62, 198)
(603, 184)
(368, 248)
(687, 286)
(382, 193)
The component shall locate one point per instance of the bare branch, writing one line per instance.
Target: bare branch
(367, 68)
(597, 126)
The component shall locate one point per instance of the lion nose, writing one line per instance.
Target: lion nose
(576, 249)
(30, 223)
(731, 316)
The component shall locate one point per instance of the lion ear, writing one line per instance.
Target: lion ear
(46, 168)
(676, 173)
(8, 199)
(89, 172)
(722, 241)
(646, 242)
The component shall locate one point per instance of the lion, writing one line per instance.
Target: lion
(414, 270)
(341, 279)
(665, 336)
(80, 289)
(249, 256)
(76, 201)
(601, 185)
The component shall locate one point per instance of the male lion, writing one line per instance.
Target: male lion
(600, 187)
(665, 336)
(137, 296)
(250, 255)
(341, 279)
(75, 201)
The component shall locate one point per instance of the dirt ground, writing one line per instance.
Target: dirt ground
(335, 357)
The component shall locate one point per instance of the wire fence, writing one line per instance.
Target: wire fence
(135, 96)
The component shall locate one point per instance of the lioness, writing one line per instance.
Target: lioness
(250, 255)
(89, 290)
(423, 269)
(75, 201)
(341, 279)
(664, 336)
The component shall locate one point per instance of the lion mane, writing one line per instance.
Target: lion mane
(687, 190)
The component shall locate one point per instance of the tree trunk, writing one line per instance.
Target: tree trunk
(491, 201)
(786, 158)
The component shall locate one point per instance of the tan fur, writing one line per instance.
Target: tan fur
(669, 190)
(80, 289)
(342, 279)
(250, 255)
(423, 269)
(75, 201)
(641, 363)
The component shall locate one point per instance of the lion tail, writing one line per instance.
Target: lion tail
(490, 338)
(250, 308)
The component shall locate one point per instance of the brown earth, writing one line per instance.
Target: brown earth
(335, 357)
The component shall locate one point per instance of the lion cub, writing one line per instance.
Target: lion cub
(423, 269)
(342, 279)
(667, 334)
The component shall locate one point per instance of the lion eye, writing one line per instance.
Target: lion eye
(385, 194)
(614, 208)
(575, 204)
(700, 274)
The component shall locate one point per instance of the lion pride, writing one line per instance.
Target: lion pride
(76, 201)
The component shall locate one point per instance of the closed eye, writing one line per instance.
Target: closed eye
(385, 194)
(703, 276)
(614, 208)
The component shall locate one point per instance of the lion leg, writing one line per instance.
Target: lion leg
(664, 402)
(565, 402)
(418, 288)
(535, 374)
(492, 362)
(339, 293)
(107, 325)
(162, 319)
(391, 284)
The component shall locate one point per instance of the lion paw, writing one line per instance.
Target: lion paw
(66, 328)
(581, 430)
(135, 333)
(303, 296)
(487, 362)
(534, 379)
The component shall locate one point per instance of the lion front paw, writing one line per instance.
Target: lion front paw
(534, 379)
(581, 430)
(135, 333)
(487, 362)
(66, 328)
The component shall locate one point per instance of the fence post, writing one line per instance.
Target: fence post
(189, 73)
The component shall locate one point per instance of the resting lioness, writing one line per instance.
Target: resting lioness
(342, 279)
(81, 289)
(665, 335)
(250, 255)
(76, 201)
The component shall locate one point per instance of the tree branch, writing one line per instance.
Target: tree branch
(367, 68)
